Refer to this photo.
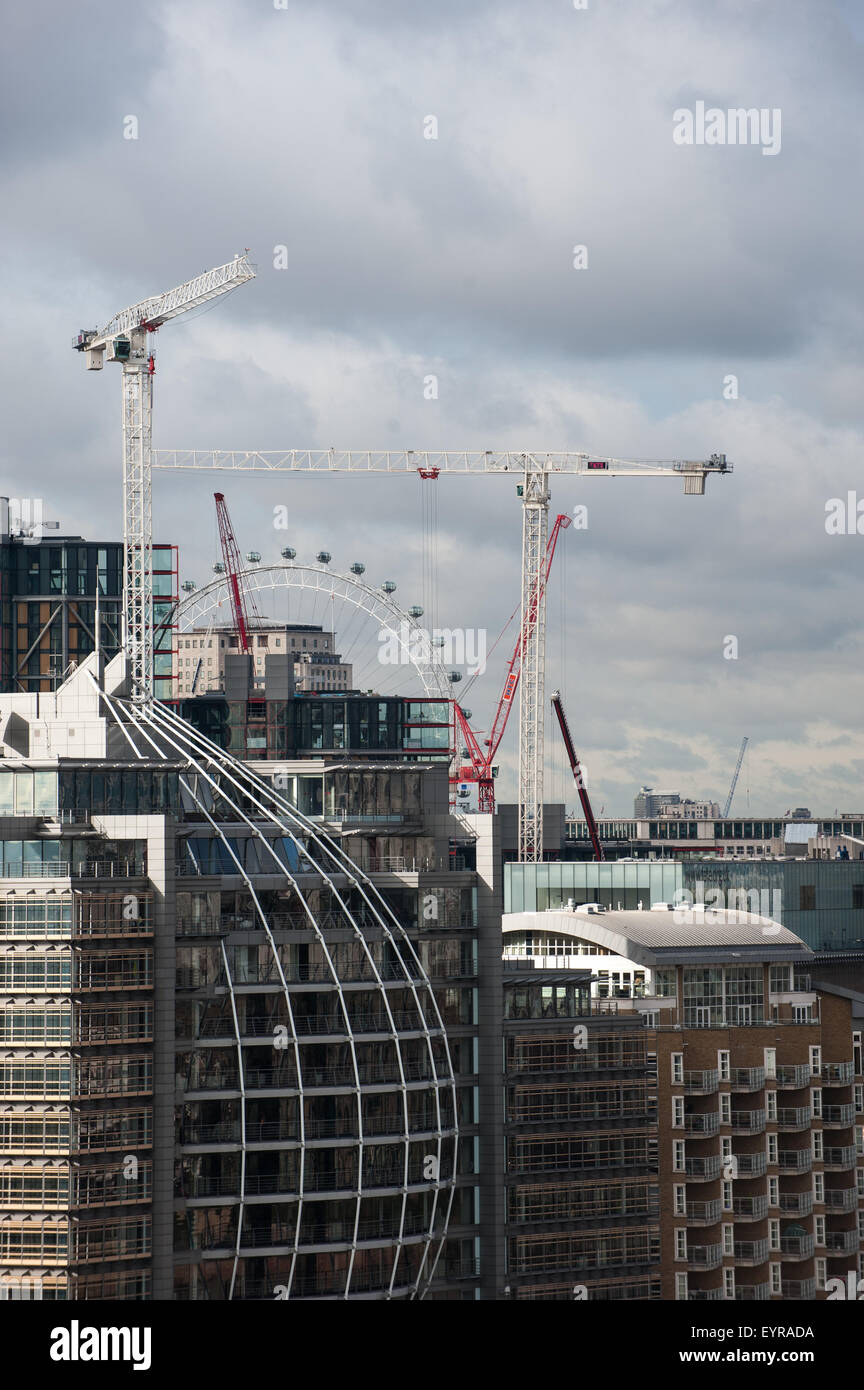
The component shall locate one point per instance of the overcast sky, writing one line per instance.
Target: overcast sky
(304, 127)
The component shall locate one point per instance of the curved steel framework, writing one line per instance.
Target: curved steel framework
(350, 1015)
(412, 637)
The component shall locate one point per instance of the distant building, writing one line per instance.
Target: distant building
(48, 589)
(201, 653)
(652, 803)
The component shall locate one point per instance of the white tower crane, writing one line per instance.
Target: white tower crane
(124, 340)
(535, 470)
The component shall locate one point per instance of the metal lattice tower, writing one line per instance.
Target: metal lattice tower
(532, 702)
(124, 340)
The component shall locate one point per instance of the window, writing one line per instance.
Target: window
(858, 895)
(821, 1270)
(815, 1061)
(677, 1112)
(771, 1104)
(816, 1102)
(772, 1148)
(679, 1162)
(775, 1278)
(818, 1187)
(819, 1229)
(729, 1283)
(727, 1195)
(725, 1108)
(807, 897)
(774, 1234)
(773, 1192)
(680, 1192)
(770, 1063)
(681, 1288)
(677, 1068)
(723, 1065)
(729, 1239)
(817, 1144)
(680, 1243)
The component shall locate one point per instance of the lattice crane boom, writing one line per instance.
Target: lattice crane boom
(124, 340)
(578, 778)
(728, 807)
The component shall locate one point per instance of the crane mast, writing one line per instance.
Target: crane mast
(124, 340)
(728, 807)
(578, 778)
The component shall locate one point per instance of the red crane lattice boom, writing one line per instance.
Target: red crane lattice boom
(578, 778)
(480, 770)
(231, 557)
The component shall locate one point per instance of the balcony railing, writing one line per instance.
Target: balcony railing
(841, 1199)
(837, 1073)
(796, 1247)
(793, 1077)
(803, 1289)
(839, 1116)
(752, 1293)
(702, 1124)
(705, 1256)
(842, 1242)
(840, 1158)
(706, 1295)
(701, 1082)
(751, 1252)
(751, 1165)
(749, 1208)
(794, 1117)
(795, 1161)
(703, 1169)
(747, 1078)
(796, 1203)
(705, 1213)
(748, 1121)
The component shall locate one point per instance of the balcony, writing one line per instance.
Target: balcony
(795, 1161)
(747, 1078)
(748, 1121)
(706, 1295)
(842, 1242)
(841, 1199)
(702, 1125)
(796, 1203)
(803, 1289)
(794, 1117)
(705, 1256)
(703, 1169)
(837, 1073)
(749, 1208)
(701, 1083)
(751, 1252)
(751, 1165)
(838, 1116)
(793, 1077)
(704, 1213)
(797, 1247)
(839, 1160)
(752, 1293)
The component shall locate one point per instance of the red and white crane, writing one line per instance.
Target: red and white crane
(240, 605)
(578, 778)
(482, 758)
(535, 469)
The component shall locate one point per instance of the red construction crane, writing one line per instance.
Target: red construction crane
(233, 570)
(480, 770)
(578, 778)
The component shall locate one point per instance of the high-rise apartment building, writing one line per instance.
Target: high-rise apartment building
(759, 1089)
